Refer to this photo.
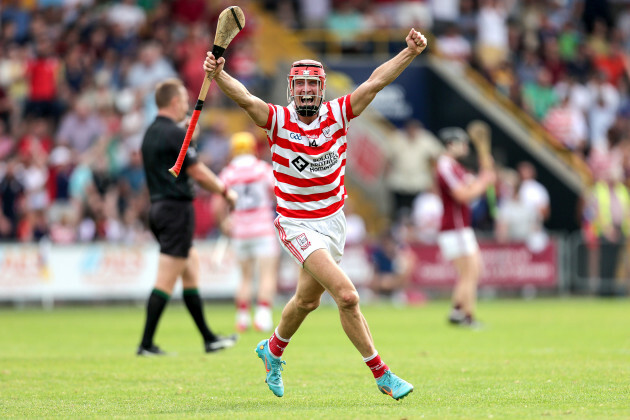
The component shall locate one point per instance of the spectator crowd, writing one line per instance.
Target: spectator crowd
(76, 94)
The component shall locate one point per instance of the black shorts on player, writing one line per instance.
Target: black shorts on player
(173, 223)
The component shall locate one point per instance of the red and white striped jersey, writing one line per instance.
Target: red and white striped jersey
(450, 176)
(309, 161)
(252, 179)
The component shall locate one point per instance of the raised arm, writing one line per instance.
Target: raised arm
(255, 107)
(387, 72)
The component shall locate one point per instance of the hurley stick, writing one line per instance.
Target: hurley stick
(479, 133)
(231, 22)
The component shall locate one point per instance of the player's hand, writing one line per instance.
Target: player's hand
(488, 177)
(231, 196)
(213, 66)
(416, 42)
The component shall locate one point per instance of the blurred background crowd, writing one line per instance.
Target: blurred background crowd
(77, 78)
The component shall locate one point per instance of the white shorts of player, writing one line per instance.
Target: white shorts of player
(300, 237)
(260, 247)
(457, 243)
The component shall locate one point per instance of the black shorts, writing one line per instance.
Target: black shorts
(173, 224)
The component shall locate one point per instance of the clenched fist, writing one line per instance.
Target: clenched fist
(416, 42)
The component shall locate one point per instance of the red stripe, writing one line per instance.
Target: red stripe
(312, 182)
(308, 150)
(305, 198)
(289, 245)
(295, 127)
(280, 160)
(342, 149)
(267, 125)
(349, 114)
(292, 126)
(311, 214)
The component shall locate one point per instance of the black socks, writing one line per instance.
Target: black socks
(195, 307)
(155, 306)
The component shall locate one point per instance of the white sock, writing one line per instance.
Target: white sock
(367, 359)
(280, 338)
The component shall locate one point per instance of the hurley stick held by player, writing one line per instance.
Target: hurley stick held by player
(308, 146)
(231, 22)
(479, 133)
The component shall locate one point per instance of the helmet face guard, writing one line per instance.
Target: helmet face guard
(307, 103)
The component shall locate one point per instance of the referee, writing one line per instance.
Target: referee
(172, 217)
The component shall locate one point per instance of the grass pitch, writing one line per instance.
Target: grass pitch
(541, 358)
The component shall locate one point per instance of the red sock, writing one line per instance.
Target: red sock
(376, 365)
(242, 305)
(277, 344)
(264, 304)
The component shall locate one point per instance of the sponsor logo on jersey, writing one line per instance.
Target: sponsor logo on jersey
(324, 162)
(299, 163)
(295, 136)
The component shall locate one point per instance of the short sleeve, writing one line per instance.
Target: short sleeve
(271, 119)
(346, 109)
(448, 172)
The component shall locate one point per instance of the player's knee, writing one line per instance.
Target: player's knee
(307, 305)
(348, 300)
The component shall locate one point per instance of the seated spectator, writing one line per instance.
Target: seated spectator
(81, 127)
(453, 46)
(578, 94)
(347, 24)
(567, 124)
(612, 64)
(127, 15)
(539, 97)
(552, 60)
(37, 140)
(152, 67)
(528, 67)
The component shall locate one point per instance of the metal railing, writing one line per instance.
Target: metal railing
(601, 267)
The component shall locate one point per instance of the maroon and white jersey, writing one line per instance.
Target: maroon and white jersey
(252, 179)
(450, 176)
(309, 161)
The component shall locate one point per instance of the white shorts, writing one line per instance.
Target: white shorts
(457, 243)
(300, 237)
(262, 246)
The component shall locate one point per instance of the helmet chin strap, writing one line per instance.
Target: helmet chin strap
(308, 109)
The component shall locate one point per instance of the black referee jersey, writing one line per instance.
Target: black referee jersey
(160, 147)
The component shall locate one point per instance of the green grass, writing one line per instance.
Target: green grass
(540, 358)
